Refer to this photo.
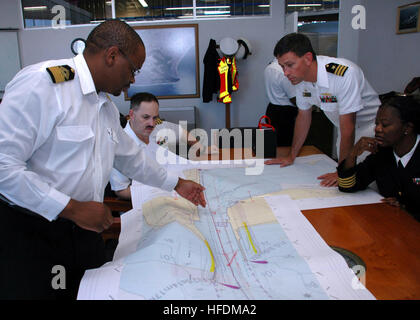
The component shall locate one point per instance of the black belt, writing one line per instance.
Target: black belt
(20, 209)
(282, 105)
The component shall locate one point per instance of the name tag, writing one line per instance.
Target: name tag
(307, 94)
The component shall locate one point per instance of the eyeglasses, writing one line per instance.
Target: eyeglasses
(134, 71)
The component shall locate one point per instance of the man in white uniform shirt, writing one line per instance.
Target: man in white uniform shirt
(281, 110)
(60, 136)
(142, 127)
(337, 86)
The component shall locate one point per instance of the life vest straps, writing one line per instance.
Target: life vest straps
(235, 83)
(223, 69)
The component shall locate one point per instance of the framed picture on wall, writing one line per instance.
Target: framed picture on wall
(171, 68)
(408, 18)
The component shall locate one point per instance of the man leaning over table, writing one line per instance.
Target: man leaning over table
(337, 86)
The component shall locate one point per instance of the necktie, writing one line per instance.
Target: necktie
(400, 169)
(400, 165)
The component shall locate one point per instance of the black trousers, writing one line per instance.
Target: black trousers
(283, 120)
(30, 247)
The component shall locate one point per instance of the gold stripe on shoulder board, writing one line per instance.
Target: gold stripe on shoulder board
(336, 69)
(61, 73)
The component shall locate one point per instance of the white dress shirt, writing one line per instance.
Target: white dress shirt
(338, 95)
(349, 93)
(159, 135)
(168, 133)
(278, 88)
(60, 141)
(118, 180)
(407, 157)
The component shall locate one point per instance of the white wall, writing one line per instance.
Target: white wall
(389, 60)
(10, 16)
(249, 103)
(348, 38)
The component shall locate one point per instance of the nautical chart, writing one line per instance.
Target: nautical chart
(248, 243)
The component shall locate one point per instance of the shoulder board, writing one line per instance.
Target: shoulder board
(158, 121)
(336, 69)
(61, 73)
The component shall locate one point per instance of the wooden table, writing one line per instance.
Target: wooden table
(387, 239)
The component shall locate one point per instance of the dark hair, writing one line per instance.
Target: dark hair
(113, 32)
(297, 43)
(408, 109)
(140, 97)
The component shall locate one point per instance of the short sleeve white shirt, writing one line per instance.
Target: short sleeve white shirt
(338, 95)
(118, 180)
(278, 88)
(167, 133)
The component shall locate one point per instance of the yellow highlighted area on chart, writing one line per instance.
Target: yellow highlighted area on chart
(248, 213)
(164, 210)
(250, 238)
(213, 264)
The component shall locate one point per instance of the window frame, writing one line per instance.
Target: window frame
(194, 18)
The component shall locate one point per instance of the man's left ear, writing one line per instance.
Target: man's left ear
(131, 114)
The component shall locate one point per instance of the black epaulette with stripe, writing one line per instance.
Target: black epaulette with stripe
(336, 69)
(61, 73)
(158, 121)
